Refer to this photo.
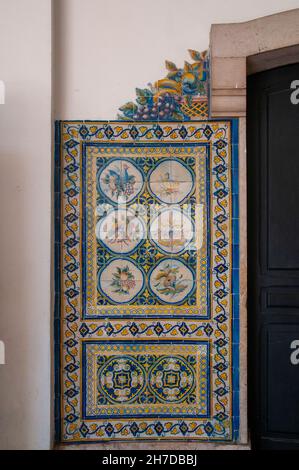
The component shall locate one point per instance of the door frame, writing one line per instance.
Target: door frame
(238, 50)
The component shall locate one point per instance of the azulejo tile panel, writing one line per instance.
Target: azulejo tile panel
(140, 379)
(142, 225)
(146, 280)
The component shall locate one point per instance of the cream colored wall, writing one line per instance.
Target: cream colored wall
(102, 50)
(25, 223)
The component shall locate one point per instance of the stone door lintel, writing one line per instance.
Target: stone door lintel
(239, 49)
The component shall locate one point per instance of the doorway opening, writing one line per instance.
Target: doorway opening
(273, 258)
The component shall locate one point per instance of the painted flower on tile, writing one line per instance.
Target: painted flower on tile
(181, 95)
(123, 280)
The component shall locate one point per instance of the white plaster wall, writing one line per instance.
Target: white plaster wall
(25, 221)
(104, 49)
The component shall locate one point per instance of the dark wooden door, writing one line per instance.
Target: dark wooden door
(273, 255)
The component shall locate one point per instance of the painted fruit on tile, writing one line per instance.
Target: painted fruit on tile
(171, 280)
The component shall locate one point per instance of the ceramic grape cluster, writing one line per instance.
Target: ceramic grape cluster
(168, 98)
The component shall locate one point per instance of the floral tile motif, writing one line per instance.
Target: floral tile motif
(121, 280)
(141, 379)
(146, 281)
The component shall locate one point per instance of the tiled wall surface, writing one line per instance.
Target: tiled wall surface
(147, 296)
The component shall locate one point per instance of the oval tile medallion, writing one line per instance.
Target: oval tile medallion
(120, 181)
(121, 231)
(171, 230)
(121, 280)
(171, 281)
(171, 181)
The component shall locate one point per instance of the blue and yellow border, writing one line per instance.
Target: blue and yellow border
(222, 426)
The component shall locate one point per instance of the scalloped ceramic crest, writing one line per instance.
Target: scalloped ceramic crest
(146, 281)
(181, 96)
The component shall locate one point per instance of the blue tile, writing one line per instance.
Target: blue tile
(235, 131)
(235, 226)
(235, 281)
(235, 256)
(235, 199)
(235, 156)
(236, 305)
(236, 331)
(235, 181)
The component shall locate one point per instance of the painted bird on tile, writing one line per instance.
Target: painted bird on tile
(120, 183)
(168, 185)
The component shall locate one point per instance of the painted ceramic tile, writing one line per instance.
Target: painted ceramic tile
(137, 379)
(146, 282)
(144, 220)
(181, 96)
